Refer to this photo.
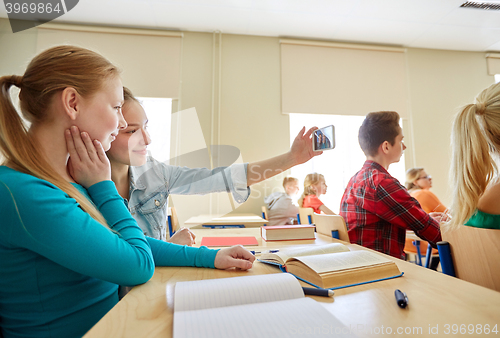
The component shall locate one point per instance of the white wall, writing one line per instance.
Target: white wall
(250, 115)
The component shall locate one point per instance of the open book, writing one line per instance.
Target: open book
(251, 306)
(333, 265)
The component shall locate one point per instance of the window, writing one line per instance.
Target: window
(340, 164)
(159, 112)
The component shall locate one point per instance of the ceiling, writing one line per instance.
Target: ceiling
(436, 24)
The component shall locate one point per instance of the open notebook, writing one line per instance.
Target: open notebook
(251, 306)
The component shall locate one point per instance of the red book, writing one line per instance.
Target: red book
(287, 232)
(228, 241)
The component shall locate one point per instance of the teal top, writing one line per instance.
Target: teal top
(60, 269)
(483, 220)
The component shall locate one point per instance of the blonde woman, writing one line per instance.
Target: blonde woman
(418, 183)
(474, 170)
(67, 239)
(314, 187)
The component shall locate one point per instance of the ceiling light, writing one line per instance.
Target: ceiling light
(487, 5)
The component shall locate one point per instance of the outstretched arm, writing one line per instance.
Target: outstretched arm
(326, 210)
(300, 152)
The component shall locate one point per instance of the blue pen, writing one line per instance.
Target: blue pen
(318, 292)
(401, 298)
(261, 252)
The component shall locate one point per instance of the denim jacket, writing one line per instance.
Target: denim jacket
(152, 183)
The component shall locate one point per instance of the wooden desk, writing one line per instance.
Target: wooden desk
(435, 300)
(232, 220)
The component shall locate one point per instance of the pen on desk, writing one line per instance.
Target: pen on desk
(401, 298)
(261, 252)
(318, 292)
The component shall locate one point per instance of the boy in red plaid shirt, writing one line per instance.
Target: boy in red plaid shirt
(376, 207)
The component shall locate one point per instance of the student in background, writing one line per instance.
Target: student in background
(418, 183)
(146, 183)
(280, 205)
(314, 187)
(474, 166)
(67, 239)
(376, 207)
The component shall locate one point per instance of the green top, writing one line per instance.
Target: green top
(483, 220)
(60, 269)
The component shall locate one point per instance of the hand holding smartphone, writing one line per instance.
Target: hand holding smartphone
(324, 138)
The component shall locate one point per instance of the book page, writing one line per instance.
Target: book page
(285, 254)
(301, 317)
(342, 261)
(214, 293)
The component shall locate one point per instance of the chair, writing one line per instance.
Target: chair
(172, 221)
(265, 215)
(413, 248)
(305, 215)
(326, 223)
(475, 253)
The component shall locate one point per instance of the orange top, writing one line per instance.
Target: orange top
(312, 201)
(428, 201)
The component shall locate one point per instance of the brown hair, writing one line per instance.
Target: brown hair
(48, 73)
(128, 96)
(311, 179)
(289, 179)
(377, 128)
(412, 175)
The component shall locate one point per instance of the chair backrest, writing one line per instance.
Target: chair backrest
(476, 255)
(264, 213)
(303, 216)
(326, 223)
(172, 221)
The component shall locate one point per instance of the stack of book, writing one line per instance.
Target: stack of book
(287, 232)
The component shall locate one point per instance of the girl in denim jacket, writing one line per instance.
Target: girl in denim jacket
(146, 183)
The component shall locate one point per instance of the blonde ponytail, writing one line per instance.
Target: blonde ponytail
(49, 72)
(475, 138)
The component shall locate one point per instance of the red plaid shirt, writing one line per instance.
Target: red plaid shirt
(378, 210)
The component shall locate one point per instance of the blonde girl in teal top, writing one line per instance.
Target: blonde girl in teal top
(474, 171)
(67, 239)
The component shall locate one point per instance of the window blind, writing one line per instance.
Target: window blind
(150, 60)
(342, 79)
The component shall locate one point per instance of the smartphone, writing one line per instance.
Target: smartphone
(324, 138)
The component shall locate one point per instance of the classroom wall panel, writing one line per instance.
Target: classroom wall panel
(250, 116)
(16, 50)
(441, 82)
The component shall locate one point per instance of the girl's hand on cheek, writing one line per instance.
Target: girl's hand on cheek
(87, 162)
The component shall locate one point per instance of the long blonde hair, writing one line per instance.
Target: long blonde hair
(475, 141)
(309, 181)
(412, 175)
(48, 73)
